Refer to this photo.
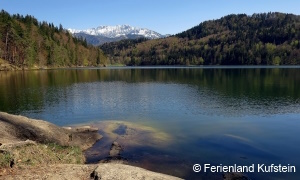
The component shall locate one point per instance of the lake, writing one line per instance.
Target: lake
(214, 115)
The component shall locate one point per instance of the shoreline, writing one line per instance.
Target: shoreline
(37, 140)
(5, 66)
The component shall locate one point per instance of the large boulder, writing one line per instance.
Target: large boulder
(19, 128)
(124, 172)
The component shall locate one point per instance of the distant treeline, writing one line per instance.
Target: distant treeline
(24, 41)
(260, 39)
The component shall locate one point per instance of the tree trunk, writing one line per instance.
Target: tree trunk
(6, 46)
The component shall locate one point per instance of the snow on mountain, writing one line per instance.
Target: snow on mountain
(118, 31)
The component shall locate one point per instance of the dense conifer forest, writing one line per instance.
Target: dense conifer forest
(26, 42)
(259, 39)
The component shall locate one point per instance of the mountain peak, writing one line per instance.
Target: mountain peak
(103, 34)
(118, 31)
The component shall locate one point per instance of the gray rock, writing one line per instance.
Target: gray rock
(14, 129)
(110, 171)
(115, 149)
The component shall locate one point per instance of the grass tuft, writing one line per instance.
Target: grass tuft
(5, 159)
(34, 155)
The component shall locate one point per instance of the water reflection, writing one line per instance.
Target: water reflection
(257, 90)
(215, 115)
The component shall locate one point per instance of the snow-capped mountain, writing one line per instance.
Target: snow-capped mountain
(117, 31)
(102, 34)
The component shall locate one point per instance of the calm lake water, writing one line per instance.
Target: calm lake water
(216, 115)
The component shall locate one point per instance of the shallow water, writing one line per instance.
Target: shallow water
(215, 115)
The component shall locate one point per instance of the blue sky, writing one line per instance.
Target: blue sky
(163, 16)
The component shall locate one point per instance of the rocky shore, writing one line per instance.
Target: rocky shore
(16, 129)
(36, 149)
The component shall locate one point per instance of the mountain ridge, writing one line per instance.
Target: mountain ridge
(102, 34)
(236, 39)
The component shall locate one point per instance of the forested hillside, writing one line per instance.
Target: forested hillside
(260, 39)
(25, 42)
